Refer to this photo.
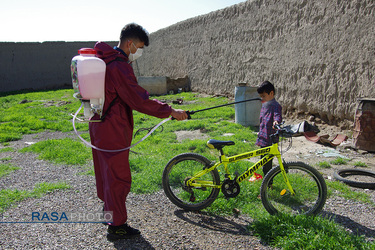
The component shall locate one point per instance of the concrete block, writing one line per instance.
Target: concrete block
(155, 85)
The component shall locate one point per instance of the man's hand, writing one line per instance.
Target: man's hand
(179, 114)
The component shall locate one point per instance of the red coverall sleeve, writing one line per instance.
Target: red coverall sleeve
(135, 96)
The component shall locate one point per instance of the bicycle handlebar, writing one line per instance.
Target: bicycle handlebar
(279, 126)
(280, 130)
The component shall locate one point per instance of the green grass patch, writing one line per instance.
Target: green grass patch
(246, 202)
(9, 197)
(339, 161)
(65, 151)
(340, 189)
(88, 171)
(306, 232)
(7, 149)
(7, 169)
(360, 164)
(324, 164)
(33, 112)
(46, 187)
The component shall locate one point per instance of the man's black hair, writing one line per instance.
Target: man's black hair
(266, 87)
(134, 31)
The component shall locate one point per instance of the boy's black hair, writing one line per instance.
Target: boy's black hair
(134, 31)
(266, 87)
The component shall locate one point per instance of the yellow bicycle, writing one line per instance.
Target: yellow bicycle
(192, 182)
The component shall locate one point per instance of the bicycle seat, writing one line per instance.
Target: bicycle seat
(219, 144)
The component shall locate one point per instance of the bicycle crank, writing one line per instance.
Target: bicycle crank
(230, 188)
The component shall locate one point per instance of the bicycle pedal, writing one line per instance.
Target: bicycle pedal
(283, 192)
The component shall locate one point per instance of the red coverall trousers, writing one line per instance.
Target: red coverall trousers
(112, 170)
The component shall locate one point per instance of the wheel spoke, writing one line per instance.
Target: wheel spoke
(183, 188)
(308, 185)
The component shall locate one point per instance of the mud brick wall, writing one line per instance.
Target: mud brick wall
(319, 54)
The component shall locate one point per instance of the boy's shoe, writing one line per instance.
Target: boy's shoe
(122, 232)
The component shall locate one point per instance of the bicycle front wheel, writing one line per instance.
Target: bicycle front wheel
(181, 169)
(308, 184)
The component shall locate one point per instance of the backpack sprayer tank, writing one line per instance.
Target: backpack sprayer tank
(88, 73)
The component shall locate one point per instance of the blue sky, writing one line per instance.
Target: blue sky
(94, 20)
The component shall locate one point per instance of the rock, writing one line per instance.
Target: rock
(362, 152)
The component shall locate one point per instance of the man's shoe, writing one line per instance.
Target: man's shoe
(122, 232)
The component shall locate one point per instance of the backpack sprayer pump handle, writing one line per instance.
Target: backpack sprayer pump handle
(188, 114)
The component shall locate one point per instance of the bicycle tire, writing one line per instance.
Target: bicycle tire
(175, 174)
(308, 184)
(341, 174)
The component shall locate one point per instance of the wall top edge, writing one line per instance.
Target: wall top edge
(55, 42)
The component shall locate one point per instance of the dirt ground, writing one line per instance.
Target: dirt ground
(313, 153)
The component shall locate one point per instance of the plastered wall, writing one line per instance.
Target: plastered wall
(37, 66)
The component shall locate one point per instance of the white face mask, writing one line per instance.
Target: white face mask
(136, 55)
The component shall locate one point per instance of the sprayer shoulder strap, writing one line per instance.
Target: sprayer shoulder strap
(114, 100)
(109, 107)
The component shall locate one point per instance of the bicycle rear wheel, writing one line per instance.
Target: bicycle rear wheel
(308, 184)
(179, 170)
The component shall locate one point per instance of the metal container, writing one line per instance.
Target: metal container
(247, 113)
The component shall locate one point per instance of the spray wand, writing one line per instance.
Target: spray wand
(152, 129)
(223, 105)
(219, 106)
(196, 111)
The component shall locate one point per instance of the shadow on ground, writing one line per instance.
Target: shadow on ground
(214, 222)
(349, 224)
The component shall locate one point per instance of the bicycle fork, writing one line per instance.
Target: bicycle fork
(283, 172)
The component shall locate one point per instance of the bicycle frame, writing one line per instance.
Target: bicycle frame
(269, 152)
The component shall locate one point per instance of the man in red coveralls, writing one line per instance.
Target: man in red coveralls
(122, 95)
